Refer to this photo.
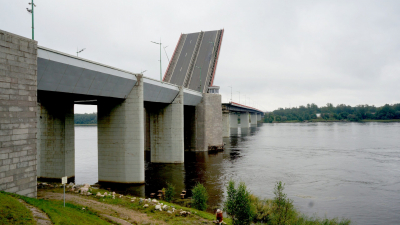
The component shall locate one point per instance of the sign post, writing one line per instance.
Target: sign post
(64, 181)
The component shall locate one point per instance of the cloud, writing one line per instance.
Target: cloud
(277, 53)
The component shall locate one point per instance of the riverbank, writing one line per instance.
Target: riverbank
(334, 120)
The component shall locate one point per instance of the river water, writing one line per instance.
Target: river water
(349, 170)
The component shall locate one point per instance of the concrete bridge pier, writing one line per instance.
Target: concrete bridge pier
(259, 118)
(203, 124)
(253, 118)
(244, 120)
(121, 137)
(226, 128)
(166, 131)
(56, 138)
(234, 125)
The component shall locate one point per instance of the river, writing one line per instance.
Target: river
(349, 170)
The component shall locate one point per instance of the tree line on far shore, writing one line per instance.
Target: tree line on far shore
(85, 118)
(329, 112)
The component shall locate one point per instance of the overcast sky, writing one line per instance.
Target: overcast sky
(276, 53)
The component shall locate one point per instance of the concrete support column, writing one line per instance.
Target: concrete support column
(234, 125)
(253, 119)
(121, 137)
(226, 124)
(166, 131)
(258, 116)
(146, 117)
(244, 120)
(56, 138)
(233, 117)
(208, 123)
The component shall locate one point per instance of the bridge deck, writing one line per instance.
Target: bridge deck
(60, 72)
(195, 51)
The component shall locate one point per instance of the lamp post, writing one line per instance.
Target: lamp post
(160, 55)
(231, 92)
(31, 11)
(79, 51)
(166, 52)
(200, 78)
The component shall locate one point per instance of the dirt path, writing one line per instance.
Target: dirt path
(40, 217)
(115, 213)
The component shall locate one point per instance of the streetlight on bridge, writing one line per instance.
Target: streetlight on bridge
(160, 55)
(79, 51)
(31, 11)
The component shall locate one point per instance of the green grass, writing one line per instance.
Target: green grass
(164, 216)
(13, 212)
(70, 214)
(150, 211)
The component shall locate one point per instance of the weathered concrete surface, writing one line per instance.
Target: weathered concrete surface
(121, 137)
(56, 137)
(226, 124)
(166, 131)
(259, 118)
(207, 131)
(234, 124)
(146, 130)
(18, 85)
(253, 118)
(244, 120)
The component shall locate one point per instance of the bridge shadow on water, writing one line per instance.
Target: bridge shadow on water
(208, 168)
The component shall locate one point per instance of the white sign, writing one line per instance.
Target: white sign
(63, 180)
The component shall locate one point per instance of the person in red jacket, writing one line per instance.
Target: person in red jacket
(219, 216)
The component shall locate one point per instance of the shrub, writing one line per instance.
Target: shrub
(283, 210)
(199, 197)
(169, 192)
(238, 204)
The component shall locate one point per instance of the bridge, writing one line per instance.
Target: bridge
(194, 61)
(39, 87)
(232, 112)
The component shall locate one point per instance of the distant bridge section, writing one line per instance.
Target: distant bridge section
(232, 111)
(194, 61)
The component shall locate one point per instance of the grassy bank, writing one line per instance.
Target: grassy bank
(196, 217)
(13, 212)
(70, 214)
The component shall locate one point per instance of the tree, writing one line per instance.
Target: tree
(238, 204)
(199, 197)
(169, 192)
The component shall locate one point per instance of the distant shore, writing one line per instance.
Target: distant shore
(325, 121)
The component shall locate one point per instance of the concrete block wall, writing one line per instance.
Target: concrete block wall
(120, 130)
(18, 85)
(167, 131)
(56, 137)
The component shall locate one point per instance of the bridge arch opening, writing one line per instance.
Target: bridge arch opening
(86, 149)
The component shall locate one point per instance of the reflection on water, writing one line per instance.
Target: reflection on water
(335, 169)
